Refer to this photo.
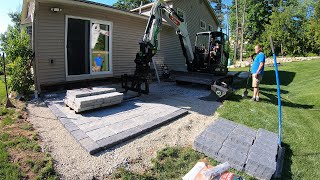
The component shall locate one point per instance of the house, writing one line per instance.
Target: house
(80, 40)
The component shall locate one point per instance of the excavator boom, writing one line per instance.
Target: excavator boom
(149, 45)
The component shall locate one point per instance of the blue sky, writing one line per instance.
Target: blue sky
(14, 5)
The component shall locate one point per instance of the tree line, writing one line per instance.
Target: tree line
(293, 24)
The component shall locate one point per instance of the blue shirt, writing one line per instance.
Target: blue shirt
(256, 63)
(98, 61)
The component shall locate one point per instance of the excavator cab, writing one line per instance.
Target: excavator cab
(211, 53)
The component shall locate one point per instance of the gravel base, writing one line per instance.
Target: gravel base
(72, 162)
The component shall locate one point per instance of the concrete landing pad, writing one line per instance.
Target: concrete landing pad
(106, 127)
(246, 149)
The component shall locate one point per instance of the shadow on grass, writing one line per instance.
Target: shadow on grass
(286, 77)
(273, 90)
(286, 171)
(269, 78)
(271, 93)
(271, 99)
(284, 102)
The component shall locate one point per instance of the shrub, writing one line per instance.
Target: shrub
(16, 45)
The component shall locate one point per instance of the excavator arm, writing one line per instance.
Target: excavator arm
(149, 45)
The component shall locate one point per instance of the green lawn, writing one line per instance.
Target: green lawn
(20, 153)
(300, 82)
(301, 124)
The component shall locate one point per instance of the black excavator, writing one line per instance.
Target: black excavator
(207, 64)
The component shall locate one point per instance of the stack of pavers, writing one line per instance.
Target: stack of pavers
(244, 148)
(92, 98)
(261, 161)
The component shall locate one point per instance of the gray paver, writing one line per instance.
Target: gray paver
(100, 133)
(245, 130)
(123, 126)
(244, 148)
(78, 135)
(89, 145)
(84, 120)
(236, 159)
(241, 138)
(71, 127)
(260, 166)
(65, 121)
(138, 130)
(270, 148)
(87, 99)
(96, 130)
(119, 138)
(93, 126)
(83, 92)
(227, 123)
(238, 146)
(267, 135)
(159, 121)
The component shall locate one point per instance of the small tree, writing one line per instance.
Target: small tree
(16, 45)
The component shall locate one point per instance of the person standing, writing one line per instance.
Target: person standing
(257, 70)
(98, 61)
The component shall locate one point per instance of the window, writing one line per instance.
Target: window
(88, 47)
(180, 13)
(210, 28)
(202, 25)
(100, 47)
(29, 32)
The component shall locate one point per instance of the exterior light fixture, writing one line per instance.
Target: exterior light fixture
(56, 9)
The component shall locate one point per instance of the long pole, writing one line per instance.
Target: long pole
(5, 74)
(228, 21)
(278, 91)
(237, 28)
(8, 103)
(242, 30)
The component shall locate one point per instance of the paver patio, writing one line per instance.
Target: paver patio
(105, 127)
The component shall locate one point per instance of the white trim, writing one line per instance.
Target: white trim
(88, 76)
(91, 74)
(205, 25)
(65, 47)
(209, 27)
(96, 6)
(110, 24)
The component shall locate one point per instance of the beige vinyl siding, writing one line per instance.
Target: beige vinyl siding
(195, 10)
(170, 52)
(127, 33)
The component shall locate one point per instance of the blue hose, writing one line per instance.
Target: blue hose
(279, 100)
(279, 97)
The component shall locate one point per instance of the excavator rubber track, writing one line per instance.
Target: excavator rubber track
(219, 84)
